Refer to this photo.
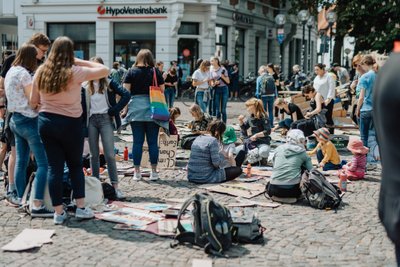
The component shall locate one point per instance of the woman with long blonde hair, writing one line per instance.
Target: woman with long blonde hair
(257, 121)
(56, 93)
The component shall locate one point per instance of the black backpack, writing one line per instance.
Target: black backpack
(268, 86)
(320, 193)
(212, 228)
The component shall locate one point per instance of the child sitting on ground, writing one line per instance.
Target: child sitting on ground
(197, 126)
(327, 155)
(355, 170)
(174, 113)
(228, 145)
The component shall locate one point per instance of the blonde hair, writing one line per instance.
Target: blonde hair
(279, 101)
(258, 105)
(103, 83)
(56, 71)
(196, 109)
(204, 65)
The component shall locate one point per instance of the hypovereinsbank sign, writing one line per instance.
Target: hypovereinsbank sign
(127, 10)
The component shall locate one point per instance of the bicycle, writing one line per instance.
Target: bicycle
(187, 96)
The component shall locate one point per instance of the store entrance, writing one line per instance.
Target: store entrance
(188, 53)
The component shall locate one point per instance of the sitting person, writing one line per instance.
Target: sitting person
(355, 170)
(197, 126)
(290, 160)
(228, 140)
(207, 161)
(308, 125)
(327, 155)
(174, 113)
(258, 143)
(290, 109)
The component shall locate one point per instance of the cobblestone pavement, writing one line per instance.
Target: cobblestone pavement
(296, 235)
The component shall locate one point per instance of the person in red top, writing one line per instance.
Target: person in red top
(174, 113)
(355, 170)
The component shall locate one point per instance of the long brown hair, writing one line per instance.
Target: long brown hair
(103, 84)
(144, 57)
(26, 57)
(217, 129)
(56, 71)
(258, 105)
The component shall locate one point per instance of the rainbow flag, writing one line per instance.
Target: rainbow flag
(158, 105)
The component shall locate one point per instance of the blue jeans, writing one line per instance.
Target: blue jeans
(366, 124)
(27, 138)
(268, 102)
(200, 101)
(139, 130)
(62, 137)
(286, 123)
(169, 93)
(102, 125)
(221, 100)
(211, 102)
(329, 165)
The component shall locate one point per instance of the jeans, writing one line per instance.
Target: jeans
(221, 100)
(102, 125)
(139, 130)
(62, 137)
(211, 102)
(27, 138)
(366, 124)
(200, 101)
(286, 123)
(329, 113)
(169, 93)
(329, 165)
(268, 102)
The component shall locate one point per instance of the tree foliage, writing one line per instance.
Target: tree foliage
(373, 23)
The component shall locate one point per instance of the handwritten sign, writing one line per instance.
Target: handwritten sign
(167, 152)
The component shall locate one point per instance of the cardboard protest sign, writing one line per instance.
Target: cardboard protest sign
(167, 152)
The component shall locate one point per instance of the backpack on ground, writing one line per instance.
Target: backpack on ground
(320, 193)
(212, 226)
(29, 193)
(248, 233)
(109, 191)
(268, 86)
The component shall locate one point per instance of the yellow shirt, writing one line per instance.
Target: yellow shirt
(329, 151)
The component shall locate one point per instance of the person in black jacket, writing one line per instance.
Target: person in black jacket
(103, 117)
(386, 104)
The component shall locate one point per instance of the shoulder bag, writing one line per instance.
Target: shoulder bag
(158, 105)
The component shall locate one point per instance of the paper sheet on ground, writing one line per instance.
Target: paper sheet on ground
(257, 172)
(129, 216)
(250, 203)
(236, 188)
(28, 239)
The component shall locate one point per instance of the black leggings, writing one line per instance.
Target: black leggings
(283, 190)
(233, 172)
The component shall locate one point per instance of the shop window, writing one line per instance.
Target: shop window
(251, 5)
(221, 39)
(189, 28)
(129, 38)
(82, 34)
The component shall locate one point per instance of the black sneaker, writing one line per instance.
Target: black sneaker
(41, 212)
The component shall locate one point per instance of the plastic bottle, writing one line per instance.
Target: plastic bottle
(248, 171)
(126, 153)
(342, 181)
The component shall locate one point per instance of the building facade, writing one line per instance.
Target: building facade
(241, 31)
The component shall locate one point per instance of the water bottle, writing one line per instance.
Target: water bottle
(248, 171)
(342, 181)
(126, 153)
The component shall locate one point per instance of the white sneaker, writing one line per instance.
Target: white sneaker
(137, 176)
(85, 213)
(154, 176)
(119, 194)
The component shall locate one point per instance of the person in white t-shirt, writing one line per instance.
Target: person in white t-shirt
(200, 79)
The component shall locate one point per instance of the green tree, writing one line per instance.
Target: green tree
(373, 23)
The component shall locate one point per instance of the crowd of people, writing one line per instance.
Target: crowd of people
(46, 97)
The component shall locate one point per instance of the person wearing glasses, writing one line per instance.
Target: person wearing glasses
(42, 43)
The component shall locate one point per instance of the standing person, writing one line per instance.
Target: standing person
(257, 121)
(234, 78)
(42, 44)
(220, 81)
(170, 83)
(365, 101)
(297, 79)
(103, 120)
(179, 73)
(385, 107)
(200, 79)
(342, 73)
(56, 92)
(266, 88)
(115, 74)
(24, 124)
(138, 82)
(325, 85)
(359, 71)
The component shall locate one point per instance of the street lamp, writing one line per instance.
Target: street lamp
(310, 24)
(331, 18)
(303, 17)
(280, 20)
